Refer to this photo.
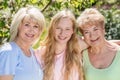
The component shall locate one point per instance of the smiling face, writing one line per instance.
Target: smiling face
(64, 31)
(28, 31)
(92, 25)
(94, 35)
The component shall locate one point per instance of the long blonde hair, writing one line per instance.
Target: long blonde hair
(72, 56)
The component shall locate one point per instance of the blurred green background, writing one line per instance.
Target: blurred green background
(109, 8)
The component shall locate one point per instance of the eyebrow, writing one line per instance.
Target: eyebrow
(95, 27)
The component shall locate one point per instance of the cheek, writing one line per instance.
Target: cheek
(38, 33)
(103, 32)
(56, 33)
(70, 33)
(100, 33)
(86, 37)
(21, 32)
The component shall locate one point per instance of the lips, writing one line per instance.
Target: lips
(30, 35)
(62, 38)
(94, 40)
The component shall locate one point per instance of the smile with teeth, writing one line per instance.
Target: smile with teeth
(29, 35)
(62, 37)
(94, 40)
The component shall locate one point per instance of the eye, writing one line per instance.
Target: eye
(67, 29)
(58, 28)
(36, 26)
(27, 24)
(86, 32)
(95, 29)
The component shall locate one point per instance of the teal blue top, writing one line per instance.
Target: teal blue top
(14, 62)
(110, 73)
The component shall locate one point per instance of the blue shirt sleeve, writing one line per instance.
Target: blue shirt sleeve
(8, 59)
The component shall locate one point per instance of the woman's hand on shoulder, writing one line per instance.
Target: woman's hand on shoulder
(115, 41)
(6, 77)
(83, 44)
(39, 53)
(40, 50)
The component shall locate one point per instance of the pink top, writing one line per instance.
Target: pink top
(59, 67)
(58, 71)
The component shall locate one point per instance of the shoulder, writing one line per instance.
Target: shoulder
(6, 47)
(8, 58)
(9, 49)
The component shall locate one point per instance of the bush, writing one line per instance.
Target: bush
(112, 25)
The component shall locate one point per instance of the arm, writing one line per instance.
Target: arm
(39, 53)
(83, 44)
(8, 61)
(6, 77)
(116, 41)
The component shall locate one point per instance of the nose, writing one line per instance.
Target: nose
(62, 32)
(31, 29)
(92, 35)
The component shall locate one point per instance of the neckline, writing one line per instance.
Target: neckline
(60, 55)
(23, 51)
(107, 68)
(60, 52)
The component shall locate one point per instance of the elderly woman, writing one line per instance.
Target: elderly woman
(102, 59)
(17, 60)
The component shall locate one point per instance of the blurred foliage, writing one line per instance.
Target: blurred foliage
(112, 23)
(110, 9)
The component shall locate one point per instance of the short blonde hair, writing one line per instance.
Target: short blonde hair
(26, 12)
(89, 17)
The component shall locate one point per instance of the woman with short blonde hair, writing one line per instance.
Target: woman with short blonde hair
(102, 59)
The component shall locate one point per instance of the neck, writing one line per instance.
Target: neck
(106, 46)
(24, 47)
(22, 44)
(60, 48)
(97, 49)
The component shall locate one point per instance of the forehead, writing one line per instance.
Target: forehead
(65, 22)
(29, 20)
(90, 26)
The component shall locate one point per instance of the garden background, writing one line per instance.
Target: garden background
(109, 8)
